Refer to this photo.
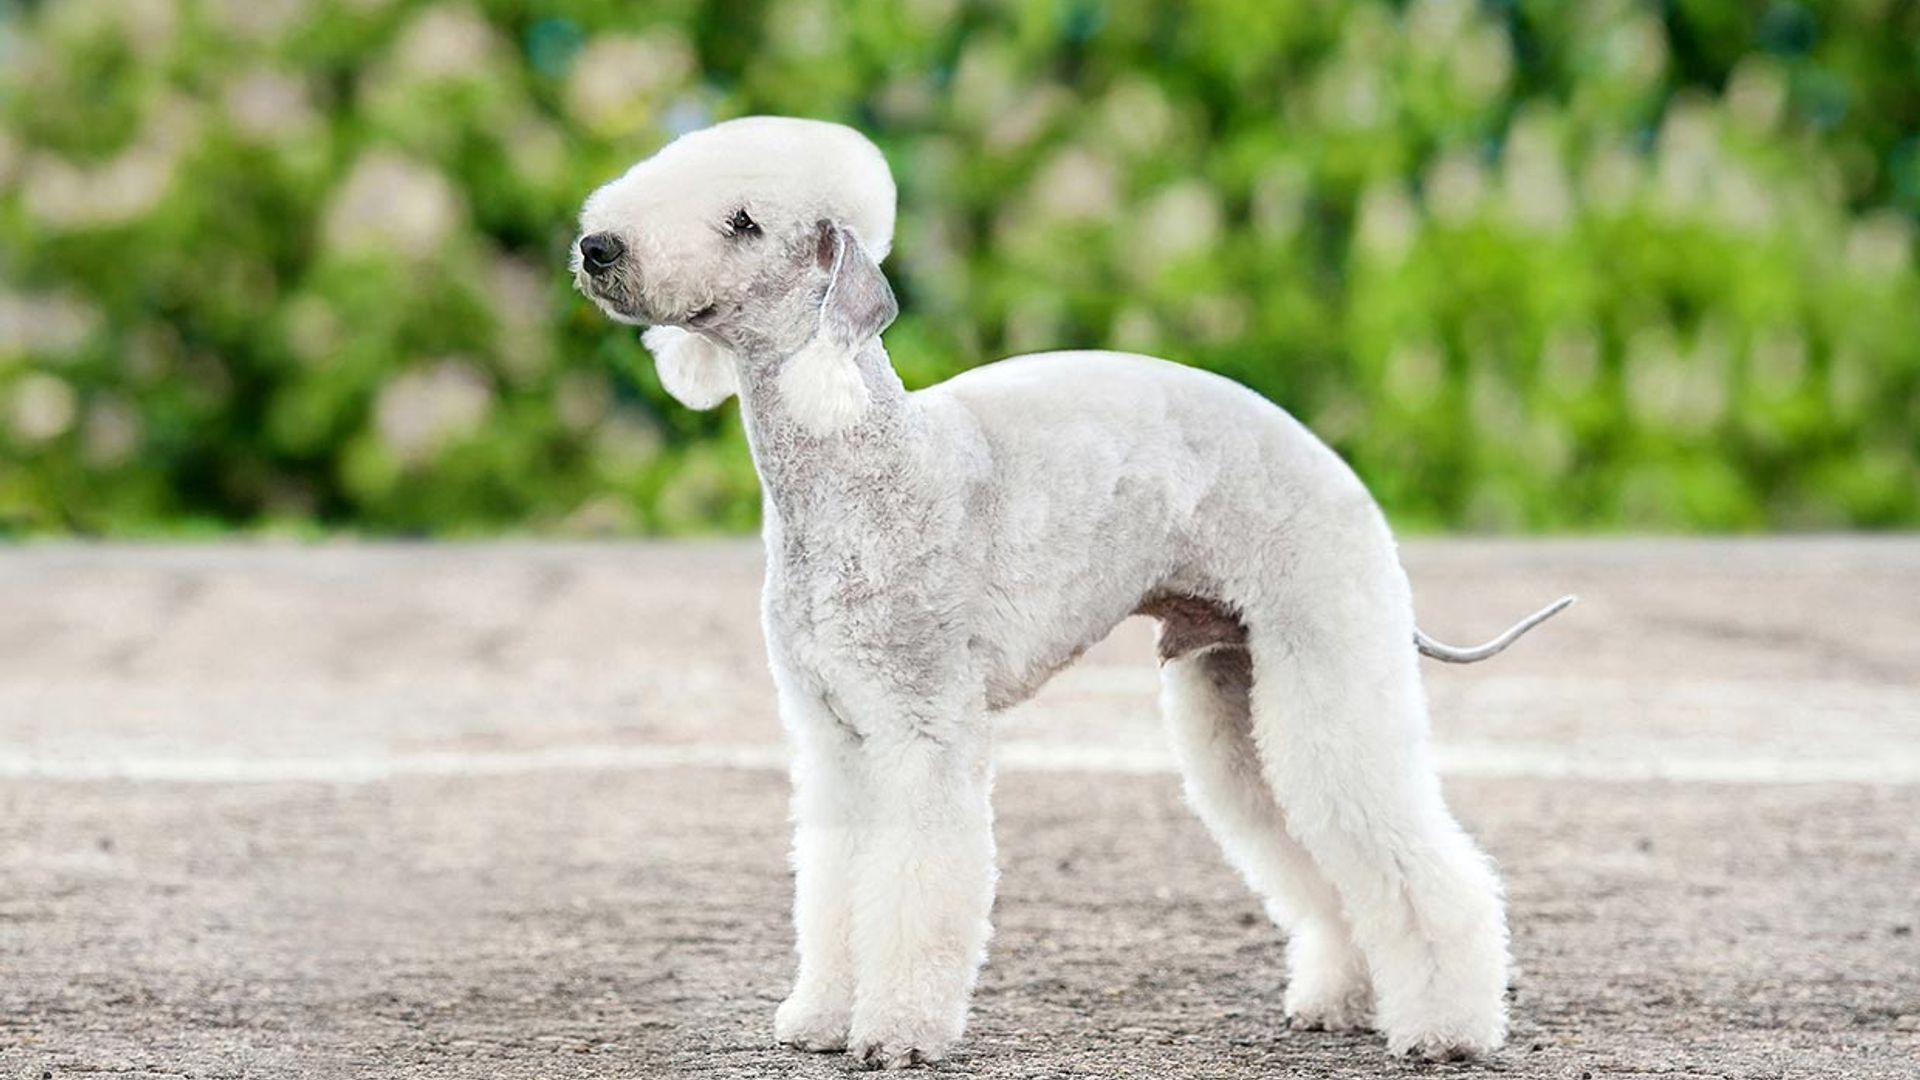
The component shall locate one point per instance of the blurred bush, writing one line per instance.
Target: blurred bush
(1529, 265)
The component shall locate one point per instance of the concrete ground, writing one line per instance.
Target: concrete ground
(517, 811)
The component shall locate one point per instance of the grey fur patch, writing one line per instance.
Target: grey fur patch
(1190, 624)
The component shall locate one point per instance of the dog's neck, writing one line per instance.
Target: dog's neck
(859, 476)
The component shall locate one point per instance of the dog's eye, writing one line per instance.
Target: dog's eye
(741, 225)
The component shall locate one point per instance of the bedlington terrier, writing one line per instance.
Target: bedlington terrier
(933, 557)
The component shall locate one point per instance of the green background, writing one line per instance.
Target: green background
(291, 265)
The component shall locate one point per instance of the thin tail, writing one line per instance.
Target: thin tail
(1454, 654)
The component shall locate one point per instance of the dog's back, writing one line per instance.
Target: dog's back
(1116, 479)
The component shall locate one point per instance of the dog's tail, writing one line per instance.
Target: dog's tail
(1454, 654)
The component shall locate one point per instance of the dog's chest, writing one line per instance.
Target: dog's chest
(841, 618)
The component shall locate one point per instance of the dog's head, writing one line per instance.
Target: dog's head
(757, 238)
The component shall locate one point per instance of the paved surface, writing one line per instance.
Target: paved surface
(511, 811)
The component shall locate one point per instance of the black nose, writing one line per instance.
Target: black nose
(599, 251)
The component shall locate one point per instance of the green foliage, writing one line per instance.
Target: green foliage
(1528, 265)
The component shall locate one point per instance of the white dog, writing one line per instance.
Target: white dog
(934, 557)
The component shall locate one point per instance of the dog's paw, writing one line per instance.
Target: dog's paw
(900, 1039)
(1445, 1047)
(1328, 988)
(1449, 1035)
(1343, 1004)
(806, 1023)
(1347, 1009)
(877, 1055)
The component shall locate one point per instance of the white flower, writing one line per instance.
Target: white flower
(1635, 50)
(111, 433)
(522, 297)
(1681, 392)
(1538, 194)
(1136, 329)
(1034, 322)
(1389, 223)
(1351, 95)
(1689, 153)
(1757, 93)
(421, 411)
(1077, 185)
(1137, 116)
(62, 195)
(445, 42)
(986, 83)
(537, 149)
(312, 328)
(1611, 177)
(1182, 220)
(1880, 245)
(521, 292)
(1021, 125)
(1456, 185)
(147, 26)
(1433, 24)
(625, 442)
(906, 99)
(930, 16)
(257, 20)
(1481, 63)
(43, 407)
(1498, 414)
(270, 106)
(1740, 200)
(806, 29)
(581, 400)
(46, 324)
(617, 82)
(394, 205)
(1279, 201)
(1219, 318)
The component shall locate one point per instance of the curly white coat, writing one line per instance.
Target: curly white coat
(936, 556)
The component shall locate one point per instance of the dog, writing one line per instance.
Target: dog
(934, 557)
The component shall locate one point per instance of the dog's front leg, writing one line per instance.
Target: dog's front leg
(827, 797)
(923, 881)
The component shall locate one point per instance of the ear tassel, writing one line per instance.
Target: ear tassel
(821, 386)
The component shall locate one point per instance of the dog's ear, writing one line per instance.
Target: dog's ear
(821, 384)
(695, 369)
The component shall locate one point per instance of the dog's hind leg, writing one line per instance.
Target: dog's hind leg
(1204, 697)
(1340, 721)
